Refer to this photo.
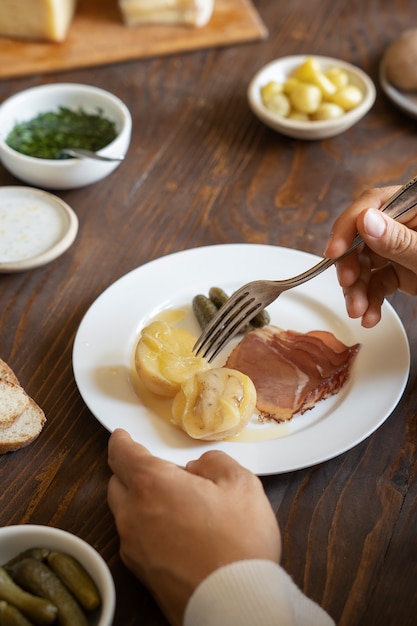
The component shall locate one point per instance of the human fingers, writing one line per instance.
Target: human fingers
(349, 269)
(116, 494)
(124, 454)
(216, 466)
(383, 282)
(345, 227)
(355, 290)
(241, 492)
(392, 258)
(389, 239)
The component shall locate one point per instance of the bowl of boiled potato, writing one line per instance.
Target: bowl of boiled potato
(310, 97)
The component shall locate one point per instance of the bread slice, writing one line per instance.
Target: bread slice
(13, 401)
(7, 374)
(23, 430)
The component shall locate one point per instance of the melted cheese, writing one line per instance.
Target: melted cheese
(36, 19)
(214, 404)
(188, 12)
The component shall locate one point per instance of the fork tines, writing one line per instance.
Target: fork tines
(230, 319)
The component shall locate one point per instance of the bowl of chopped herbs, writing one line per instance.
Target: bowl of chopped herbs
(37, 124)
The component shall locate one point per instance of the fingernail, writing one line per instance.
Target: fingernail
(374, 223)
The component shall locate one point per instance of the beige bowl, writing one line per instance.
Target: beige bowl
(68, 173)
(16, 539)
(280, 69)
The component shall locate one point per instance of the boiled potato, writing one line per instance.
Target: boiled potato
(270, 89)
(338, 76)
(305, 98)
(299, 117)
(348, 97)
(273, 97)
(289, 84)
(310, 72)
(164, 358)
(214, 404)
(327, 111)
(310, 93)
(279, 104)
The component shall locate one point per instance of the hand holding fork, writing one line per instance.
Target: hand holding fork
(247, 301)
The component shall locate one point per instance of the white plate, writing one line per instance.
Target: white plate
(407, 102)
(106, 339)
(35, 228)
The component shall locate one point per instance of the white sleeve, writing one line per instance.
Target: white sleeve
(252, 592)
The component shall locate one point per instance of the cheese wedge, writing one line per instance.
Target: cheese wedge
(186, 12)
(36, 19)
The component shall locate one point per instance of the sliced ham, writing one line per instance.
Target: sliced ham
(292, 371)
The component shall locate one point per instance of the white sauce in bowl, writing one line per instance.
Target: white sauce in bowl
(35, 228)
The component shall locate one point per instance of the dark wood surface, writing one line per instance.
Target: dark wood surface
(202, 170)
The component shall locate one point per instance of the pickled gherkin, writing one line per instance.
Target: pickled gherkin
(37, 578)
(206, 308)
(76, 578)
(11, 616)
(36, 553)
(39, 587)
(39, 610)
(218, 296)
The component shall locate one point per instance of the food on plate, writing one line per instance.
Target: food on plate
(164, 358)
(47, 587)
(311, 93)
(186, 12)
(205, 308)
(48, 133)
(37, 19)
(400, 61)
(214, 404)
(208, 403)
(292, 371)
(273, 372)
(220, 297)
(21, 419)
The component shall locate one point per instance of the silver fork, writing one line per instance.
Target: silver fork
(247, 301)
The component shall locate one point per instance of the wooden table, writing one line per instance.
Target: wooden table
(202, 170)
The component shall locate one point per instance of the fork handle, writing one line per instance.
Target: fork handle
(400, 203)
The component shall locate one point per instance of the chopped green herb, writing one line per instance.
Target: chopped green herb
(45, 135)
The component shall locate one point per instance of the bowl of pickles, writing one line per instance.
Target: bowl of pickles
(38, 124)
(310, 97)
(49, 576)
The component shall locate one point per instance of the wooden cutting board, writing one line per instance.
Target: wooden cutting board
(98, 37)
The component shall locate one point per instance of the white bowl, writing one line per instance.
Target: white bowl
(68, 173)
(16, 539)
(280, 69)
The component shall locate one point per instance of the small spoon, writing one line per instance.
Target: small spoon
(80, 153)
